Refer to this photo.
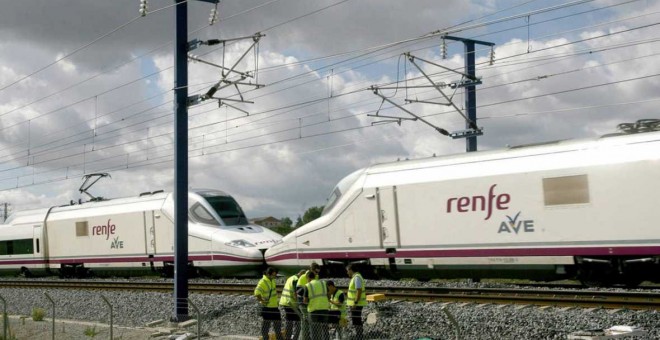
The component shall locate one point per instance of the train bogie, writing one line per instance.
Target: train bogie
(542, 212)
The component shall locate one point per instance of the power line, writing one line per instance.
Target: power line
(354, 92)
(71, 53)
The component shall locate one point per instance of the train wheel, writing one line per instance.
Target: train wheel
(167, 271)
(593, 279)
(25, 272)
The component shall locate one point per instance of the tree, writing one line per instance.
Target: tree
(299, 222)
(311, 214)
(284, 227)
(286, 222)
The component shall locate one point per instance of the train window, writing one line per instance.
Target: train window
(341, 189)
(82, 229)
(37, 245)
(16, 247)
(199, 214)
(566, 190)
(228, 210)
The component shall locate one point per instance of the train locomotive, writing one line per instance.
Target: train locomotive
(581, 209)
(134, 236)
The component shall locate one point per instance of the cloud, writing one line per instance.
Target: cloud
(286, 156)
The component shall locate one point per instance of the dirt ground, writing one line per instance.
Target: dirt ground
(24, 328)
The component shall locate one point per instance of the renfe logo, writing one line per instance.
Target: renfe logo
(104, 230)
(480, 203)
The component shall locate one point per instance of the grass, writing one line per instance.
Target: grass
(91, 332)
(38, 314)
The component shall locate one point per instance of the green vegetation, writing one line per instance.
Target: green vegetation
(38, 314)
(284, 227)
(310, 215)
(91, 331)
(286, 224)
(10, 336)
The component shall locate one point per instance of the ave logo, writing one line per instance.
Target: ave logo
(515, 225)
(116, 244)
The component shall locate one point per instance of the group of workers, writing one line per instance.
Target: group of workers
(311, 306)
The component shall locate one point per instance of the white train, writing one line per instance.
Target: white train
(134, 236)
(555, 210)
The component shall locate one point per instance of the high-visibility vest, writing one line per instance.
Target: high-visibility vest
(302, 281)
(317, 292)
(342, 306)
(352, 292)
(267, 290)
(288, 294)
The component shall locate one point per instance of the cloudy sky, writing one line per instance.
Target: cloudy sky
(86, 86)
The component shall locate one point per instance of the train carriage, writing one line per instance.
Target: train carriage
(134, 236)
(556, 210)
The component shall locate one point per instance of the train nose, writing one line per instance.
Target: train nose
(254, 254)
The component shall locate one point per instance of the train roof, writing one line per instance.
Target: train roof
(515, 151)
(144, 201)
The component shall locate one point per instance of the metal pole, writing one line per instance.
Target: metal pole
(181, 162)
(4, 318)
(53, 302)
(453, 321)
(470, 94)
(199, 320)
(109, 305)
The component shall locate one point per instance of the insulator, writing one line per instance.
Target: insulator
(443, 49)
(213, 17)
(143, 7)
(492, 56)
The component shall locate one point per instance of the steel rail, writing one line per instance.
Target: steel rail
(587, 298)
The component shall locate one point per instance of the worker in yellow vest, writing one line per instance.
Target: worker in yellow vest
(337, 313)
(289, 302)
(316, 297)
(266, 294)
(314, 269)
(357, 298)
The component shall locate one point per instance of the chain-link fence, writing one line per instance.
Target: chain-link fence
(62, 314)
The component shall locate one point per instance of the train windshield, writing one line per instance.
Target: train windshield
(228, 210)
(340, 189)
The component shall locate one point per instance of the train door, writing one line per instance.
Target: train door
(150, 232)
(38, 246)
(388, 217)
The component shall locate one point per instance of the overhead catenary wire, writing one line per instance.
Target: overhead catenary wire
(158, 72)
(354, 128)
(378, 47)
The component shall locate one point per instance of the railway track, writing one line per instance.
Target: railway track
(538, 297)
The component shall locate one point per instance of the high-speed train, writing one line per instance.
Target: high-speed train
(564, 209)
(134, 236)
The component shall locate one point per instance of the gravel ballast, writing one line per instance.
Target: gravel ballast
(238, 315)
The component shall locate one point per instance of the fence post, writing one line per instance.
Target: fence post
(53, 302)
(199, 320)
(109, 305)
(4, 317)
(453, 321)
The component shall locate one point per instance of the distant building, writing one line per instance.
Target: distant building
(268, 222)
